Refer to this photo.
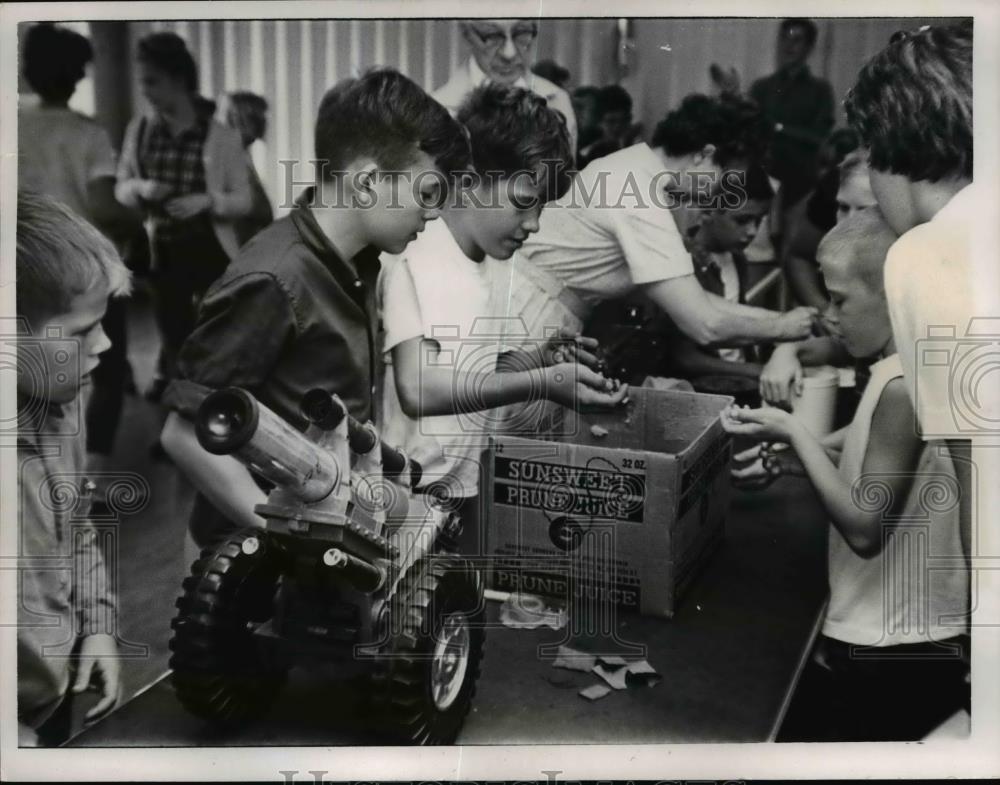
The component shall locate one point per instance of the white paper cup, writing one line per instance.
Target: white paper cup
(816, 407)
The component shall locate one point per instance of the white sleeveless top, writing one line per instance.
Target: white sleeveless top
(916, 588)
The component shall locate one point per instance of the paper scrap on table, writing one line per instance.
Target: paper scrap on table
(526, 612)
(615, 678)
(598, 431)
(594, 692)
(574, 660)
(611, 660)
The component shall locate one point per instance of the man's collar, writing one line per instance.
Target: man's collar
(364, 265)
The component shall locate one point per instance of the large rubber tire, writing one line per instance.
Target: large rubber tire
(221, 672)
(438, 595)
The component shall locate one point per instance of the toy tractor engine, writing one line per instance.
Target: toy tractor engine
(352, 567)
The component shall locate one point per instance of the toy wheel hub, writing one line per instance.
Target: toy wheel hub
(450, 660)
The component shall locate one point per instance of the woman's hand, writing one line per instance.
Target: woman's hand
(570, 347)
(154, 191)
(184, 207)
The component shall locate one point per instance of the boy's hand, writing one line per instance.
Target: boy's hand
(781, 378)
(763, 464)
(154, 190)
(570, 347)
(572, 384)
(184, 207)
(98, 669)
(796, 324)
(770, 424)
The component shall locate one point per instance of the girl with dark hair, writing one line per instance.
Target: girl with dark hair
(188, 174)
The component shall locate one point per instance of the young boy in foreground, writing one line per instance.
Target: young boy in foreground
(888, 665)
(295, 310)
(66, 271)
(437, 299)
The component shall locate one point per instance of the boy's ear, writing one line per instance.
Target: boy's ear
(364, 174)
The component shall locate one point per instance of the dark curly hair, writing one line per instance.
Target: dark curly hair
(733, 125)
(55, 59)
(169, 53)
(388, 117)
(513, 130)
(912, 104)
(613, 98)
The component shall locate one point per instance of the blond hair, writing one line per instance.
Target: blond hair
(60, 256)
(865, 238)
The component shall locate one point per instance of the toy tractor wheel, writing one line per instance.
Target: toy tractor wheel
(221, 672)
(428, 669)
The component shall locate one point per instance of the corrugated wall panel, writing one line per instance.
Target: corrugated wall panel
(292, 63)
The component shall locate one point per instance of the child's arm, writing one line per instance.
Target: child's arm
(221, 479)
(243, 329)
(97, 664)
(782, 374)
(427, 390)
(893, 452)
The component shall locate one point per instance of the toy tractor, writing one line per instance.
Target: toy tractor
(353, 567)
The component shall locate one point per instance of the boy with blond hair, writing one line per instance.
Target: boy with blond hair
(888, 664)
(66, 271)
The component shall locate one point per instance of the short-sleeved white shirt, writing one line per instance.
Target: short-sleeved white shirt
(60, 152)
(933, 295)
(612, 231)
(433, 290)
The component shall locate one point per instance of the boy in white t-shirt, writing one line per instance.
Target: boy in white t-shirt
(445, 371)
(888, 666)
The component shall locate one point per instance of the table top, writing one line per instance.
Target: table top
(728, 660)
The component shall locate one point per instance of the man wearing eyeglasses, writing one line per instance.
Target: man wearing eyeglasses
(502, 51)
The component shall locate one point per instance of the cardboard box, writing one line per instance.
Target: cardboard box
(620, 506)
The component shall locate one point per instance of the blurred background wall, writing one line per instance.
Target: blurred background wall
(292, 62)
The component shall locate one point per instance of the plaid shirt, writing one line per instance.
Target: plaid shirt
(177, 162)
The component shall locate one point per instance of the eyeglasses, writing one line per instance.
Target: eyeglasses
(903, 35)
(523, 37)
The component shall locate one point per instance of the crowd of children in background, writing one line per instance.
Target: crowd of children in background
(283, 306)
